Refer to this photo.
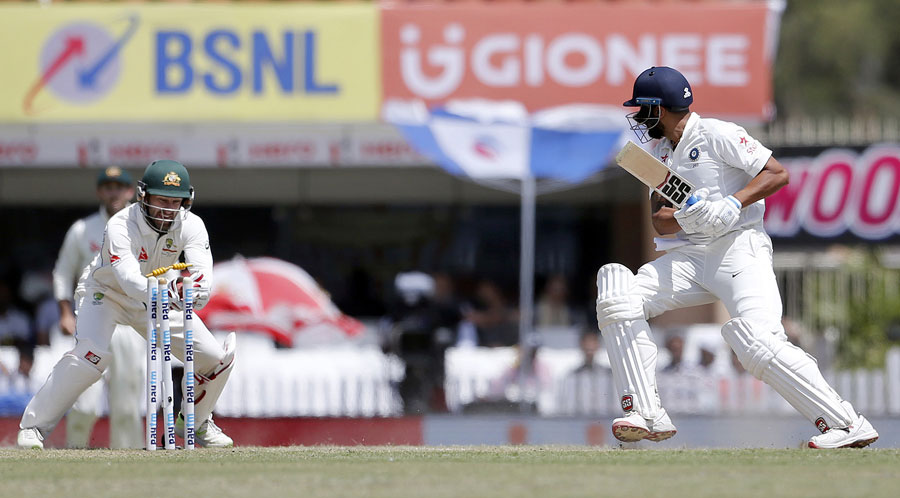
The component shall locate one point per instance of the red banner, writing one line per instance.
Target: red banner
(548, 55)
(839, 191)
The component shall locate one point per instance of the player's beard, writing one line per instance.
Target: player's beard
(657, 131)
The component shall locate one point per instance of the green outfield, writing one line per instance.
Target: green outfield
(399, 472)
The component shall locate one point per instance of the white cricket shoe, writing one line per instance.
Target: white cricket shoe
(208, 435)
(30, 439)
(661, 428)
(859, 435)
(630, 428)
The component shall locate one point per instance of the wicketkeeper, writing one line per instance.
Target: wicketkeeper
(720, 251)
(112, 291)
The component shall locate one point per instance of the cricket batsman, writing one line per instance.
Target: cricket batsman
(720, 251)
(82, 242)
(149, 234)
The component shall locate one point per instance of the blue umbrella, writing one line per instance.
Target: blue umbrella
(500, 144)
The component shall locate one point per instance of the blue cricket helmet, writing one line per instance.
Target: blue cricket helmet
(662, 86)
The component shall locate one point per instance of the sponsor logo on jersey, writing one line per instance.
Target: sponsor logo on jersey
(627, 403)
(98, 298)
(113, 258)
(665, 157)
(143, 256)
(172, 179)
(92, 357)
(822, 425)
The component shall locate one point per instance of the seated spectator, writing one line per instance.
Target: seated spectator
(495, 322)
(552, 308)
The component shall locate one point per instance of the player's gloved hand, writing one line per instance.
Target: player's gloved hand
(724, 214)
(175, 299)
(693, 217)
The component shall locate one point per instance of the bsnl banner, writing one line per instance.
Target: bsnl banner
(546, 55)
(189, 63)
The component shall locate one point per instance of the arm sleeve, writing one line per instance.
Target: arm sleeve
(125, 266)
(739, 150)
(198, 254)
(66, 270)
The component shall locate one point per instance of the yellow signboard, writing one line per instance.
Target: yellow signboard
(171, 63)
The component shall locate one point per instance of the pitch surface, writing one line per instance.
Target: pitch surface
(399, 472)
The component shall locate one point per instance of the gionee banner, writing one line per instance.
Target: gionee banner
(128, 62)
(546, 55)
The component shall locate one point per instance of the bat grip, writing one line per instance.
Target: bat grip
(691, 200)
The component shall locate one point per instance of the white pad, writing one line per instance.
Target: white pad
(626, 336)
(211, 385)
(789, 370)
(616, 299)
(68, 379)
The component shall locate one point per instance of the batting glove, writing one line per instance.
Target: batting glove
(693, 217)
(724, 215)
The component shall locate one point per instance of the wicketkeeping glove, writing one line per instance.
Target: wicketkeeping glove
(175, 300)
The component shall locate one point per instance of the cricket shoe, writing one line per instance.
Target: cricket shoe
(630, 428)
(858, 435)
(661, 428)
(208, 435)
(30, 439)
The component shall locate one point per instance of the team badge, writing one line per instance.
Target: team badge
(694, 154)
(98, 298)
(172, 179)
(170, 246)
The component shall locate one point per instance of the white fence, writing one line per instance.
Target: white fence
(477, 375)
(362, 382)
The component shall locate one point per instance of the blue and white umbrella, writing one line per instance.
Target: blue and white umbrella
(491, 140)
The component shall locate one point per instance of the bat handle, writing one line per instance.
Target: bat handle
(691, 200)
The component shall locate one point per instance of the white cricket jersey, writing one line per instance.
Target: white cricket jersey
(721, 157)
(131, 249)
(83, 240)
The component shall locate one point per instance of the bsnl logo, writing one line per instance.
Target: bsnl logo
(81, 62)
(289, 56)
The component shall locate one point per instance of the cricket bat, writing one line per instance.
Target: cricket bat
(656, 175)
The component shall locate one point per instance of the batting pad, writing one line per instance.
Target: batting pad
(632, 352)
(792, 372)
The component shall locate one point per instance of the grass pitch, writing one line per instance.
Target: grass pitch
(400, 472)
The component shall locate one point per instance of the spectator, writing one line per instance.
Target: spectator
(589, 344)
(424, 324)
(492, 317)
(675, 346)
(552, 309)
